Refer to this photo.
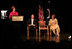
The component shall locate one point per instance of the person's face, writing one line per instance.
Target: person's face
(53, 16)
(32, 16)
(14, 9)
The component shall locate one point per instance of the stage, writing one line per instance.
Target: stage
(21, 41)
(14, 35)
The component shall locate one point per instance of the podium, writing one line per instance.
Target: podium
(17, 18)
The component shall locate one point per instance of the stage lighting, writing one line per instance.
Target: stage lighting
(69, 37)
(3, 14)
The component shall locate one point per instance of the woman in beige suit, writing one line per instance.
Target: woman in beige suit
(53, 23)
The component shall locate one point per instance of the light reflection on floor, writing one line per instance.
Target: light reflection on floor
(48, 38)
(44, 37)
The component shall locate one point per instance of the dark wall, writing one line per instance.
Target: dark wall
(27, 7)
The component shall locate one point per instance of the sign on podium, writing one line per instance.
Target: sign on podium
(17, 18)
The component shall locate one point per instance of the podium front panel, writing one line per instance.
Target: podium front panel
(17, 18)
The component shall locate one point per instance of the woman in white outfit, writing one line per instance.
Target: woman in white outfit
(53, 23)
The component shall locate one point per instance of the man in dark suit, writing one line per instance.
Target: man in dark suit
(32, 24)
(32, 21)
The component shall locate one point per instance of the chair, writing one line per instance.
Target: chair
(28, 31)
(43, 26)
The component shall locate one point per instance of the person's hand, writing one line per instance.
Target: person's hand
(33, 25)
(47, 17)
(29, 24)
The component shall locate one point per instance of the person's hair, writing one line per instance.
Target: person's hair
(54, 15)
(32, 14)
(12, 7)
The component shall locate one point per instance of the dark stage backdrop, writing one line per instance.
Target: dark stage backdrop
(13, 33)
(27, 7)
